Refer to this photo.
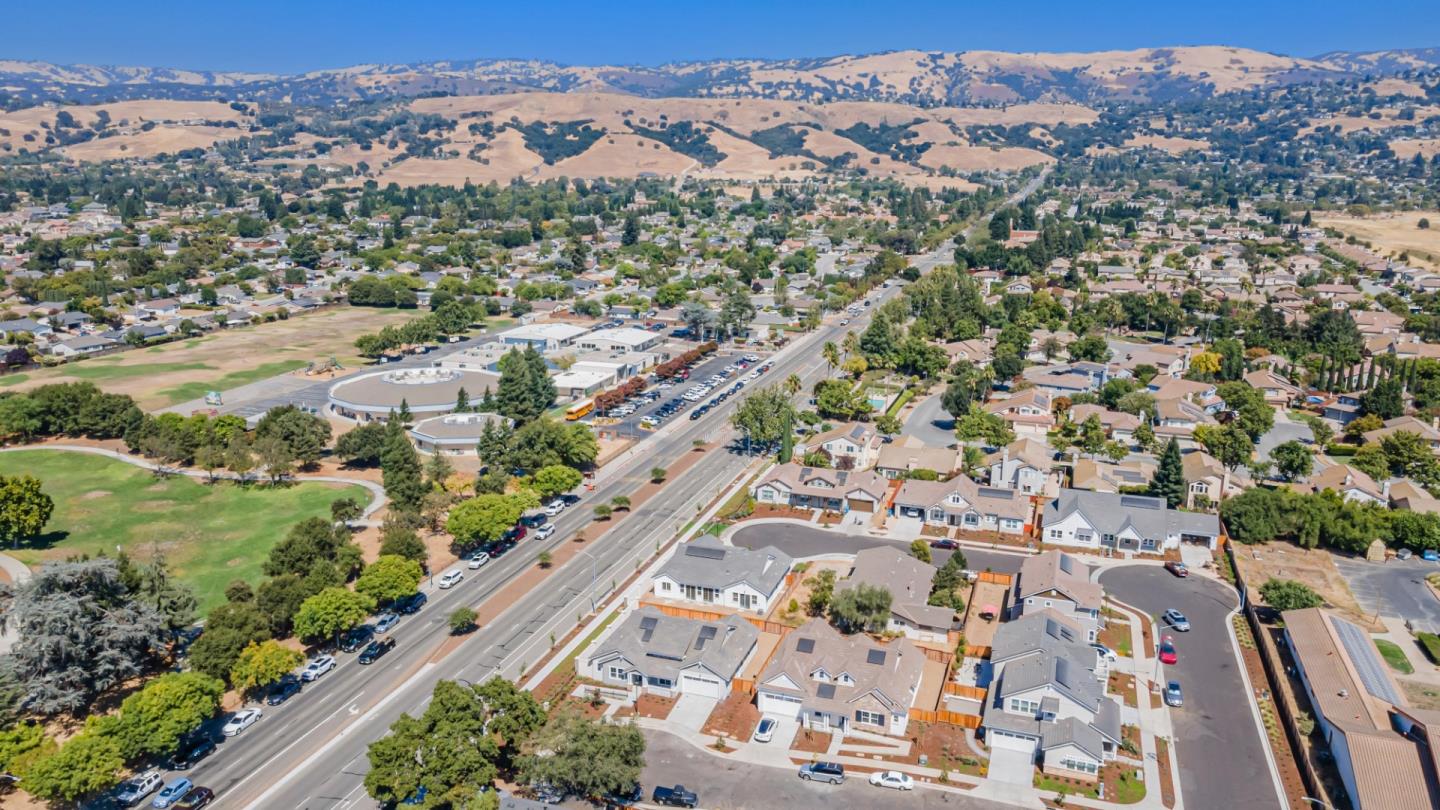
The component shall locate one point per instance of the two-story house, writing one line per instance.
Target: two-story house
(653, 652)
(908, 582)
(833, 682)
(1027, 413)
(1058, 581)
(1026, 466)
(706, 571)
(851, 446)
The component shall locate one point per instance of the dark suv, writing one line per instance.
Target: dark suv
(284, 689)
(676, 796)
(357, 638)
(410, 605)
(377, 648)
(192, 752)
(832, 772)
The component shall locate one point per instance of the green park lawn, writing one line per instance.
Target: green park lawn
(1394, 656)
(195, 390)
(211, 535)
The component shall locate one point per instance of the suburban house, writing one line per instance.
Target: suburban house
(669, 655)
(834, 682)
(1343, 408)
(908, 454)
(850, 446)
(1178, 418)
(1058, 581)
(1050, 707)
(1347, 482)
(1027, 466)
(1046, 631)
(1127, 523)
(1406, 424)
(908, 581)
(1279, 392)
(820, 488)
(1027, 413)
(1098, 475)
(1118, 425)
(962, 502)
(158, 308)
(1381, 746)
(708, 572)
(1205, 477)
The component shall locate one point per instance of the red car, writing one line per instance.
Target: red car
(1167, 652)
(944, 543)
(1178, 569)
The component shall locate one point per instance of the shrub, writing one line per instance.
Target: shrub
(1430, 643)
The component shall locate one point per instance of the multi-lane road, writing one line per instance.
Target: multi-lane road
(311, 752)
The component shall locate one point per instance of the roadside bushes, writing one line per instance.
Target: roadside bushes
(1260, 515)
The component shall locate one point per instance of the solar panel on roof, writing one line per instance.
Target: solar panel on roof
(826, 691)
(704, 552)
(1140, 502)
(805, 645)
(875, 657)
(648, 623)
(994, 492)
(1367, 662)
(1065, 563)
(1062, 671)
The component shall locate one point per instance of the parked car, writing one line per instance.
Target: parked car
(892, 779)
(318, 666)
(1167, 652)
(284, 689)
(1404, 554)
(386, 622)
(192, 752)
(624, 798)
(411, 604)
(451, 578)
(547, 794)
(832, 772)
(197, 798)
(1177, 568)
(172, 793)
(377, 648)
(242, 720)
(515, 534)
(137, 787)
(676, 796)
(1177, 620)
(1103, 651)
(356, 638)
(945, 543)
(1430, 555)
(1173, 695)
(544, 532)
(765, 732)
(477, 559)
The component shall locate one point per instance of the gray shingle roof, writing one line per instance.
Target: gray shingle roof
(1110, 513)
(662, 646)
(709, 563)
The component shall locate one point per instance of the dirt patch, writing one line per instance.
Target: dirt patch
(945, 747)
(96, 494)
(1394, 234)
(1314, 567)
(653, 706)
(1123, 684)
(1116, 636)
(811, 742)
(979, 632)
(734, 718)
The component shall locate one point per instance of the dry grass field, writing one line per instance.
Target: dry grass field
(1393, 234)
(164, 375)
(1407, 148)
(27, 128)
(1165, 143)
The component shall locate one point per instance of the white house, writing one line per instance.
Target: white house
(705, 571)
(821, 488)
(667, 655)
(1127, 523)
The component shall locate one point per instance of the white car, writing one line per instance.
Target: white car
(765, 732)
(554, 508)
(137, 787)
(545, 531)
(892, 779)
(242, 720)
(478, 559)
(451, 578)
(317, 667)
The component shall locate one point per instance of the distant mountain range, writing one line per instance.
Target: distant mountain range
(920, 78)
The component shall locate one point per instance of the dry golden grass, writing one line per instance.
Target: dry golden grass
(163, 139)
(1173, 145)
(1393, 234)
(1407, 148)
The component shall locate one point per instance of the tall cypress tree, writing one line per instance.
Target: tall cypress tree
(400, 470)
(1169, 480)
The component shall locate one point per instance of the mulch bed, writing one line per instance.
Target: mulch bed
(734, 718)
(811, 742)
(1123, 684)
(944, 746)
(771, 510)
(655, 706)
(1290, 778)
(934, 531)
(1167, 785)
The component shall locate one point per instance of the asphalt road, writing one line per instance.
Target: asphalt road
(730, 785)
(1394, 588)
(1221, 756)
(310, 753)
(930, 423)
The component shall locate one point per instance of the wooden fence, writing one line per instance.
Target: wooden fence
(992, 577)
(743, 686)
(700, 614)
(960, 690)
(971, 721)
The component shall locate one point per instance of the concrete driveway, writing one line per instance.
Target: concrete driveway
(691, 711)
(1394, 588)
(1217, 731)
(1009, 765)
(930, 423)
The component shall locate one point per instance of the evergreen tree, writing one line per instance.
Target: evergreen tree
(520, 393)
(400, 470)
(542, 389)
(462, 401)
(1169, 480)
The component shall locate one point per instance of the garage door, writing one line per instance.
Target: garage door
(858, 505)
(779, 705)
(1012, 742)
(700, 685)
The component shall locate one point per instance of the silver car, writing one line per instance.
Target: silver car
(1177, 620)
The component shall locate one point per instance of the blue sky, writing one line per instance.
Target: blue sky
(295, 35)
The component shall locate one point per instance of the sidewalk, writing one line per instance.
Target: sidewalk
(1152, 722)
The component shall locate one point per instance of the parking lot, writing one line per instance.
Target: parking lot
(1393, 588)
(713, 366)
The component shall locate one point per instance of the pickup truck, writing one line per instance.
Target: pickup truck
(676, 796)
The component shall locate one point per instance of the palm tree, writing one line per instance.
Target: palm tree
(831, 353)
(851, 343)
(793, 384)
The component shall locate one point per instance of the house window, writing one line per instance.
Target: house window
(663, 683)
(1108, 538)
(1023, 706)
(665, 586)
(617, 673)
(1056, 534)
(869, 718)
(972, 519)
(1147, 544)
(937, 515)
(746, 601)
(1199, 487)
(1078, 766)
